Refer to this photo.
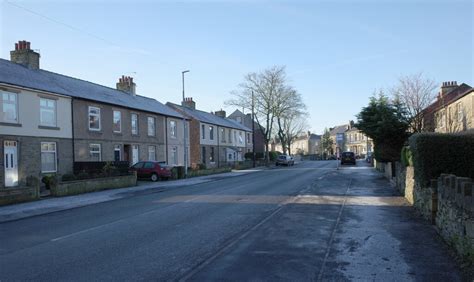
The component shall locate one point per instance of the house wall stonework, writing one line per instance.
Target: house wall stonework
(108, 138)
(29, 156)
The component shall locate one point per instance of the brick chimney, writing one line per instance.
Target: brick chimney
(189, 103)
(23, 55)
(220, 113)
(447, 87)
(126, 85)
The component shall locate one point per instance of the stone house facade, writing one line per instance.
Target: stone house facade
(356, 141)
(452, 111)
(49, 121)
(215, 141)
(35, 125)
(258, 135)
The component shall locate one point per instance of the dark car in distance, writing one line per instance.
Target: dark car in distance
(348, 158)
(152, 170)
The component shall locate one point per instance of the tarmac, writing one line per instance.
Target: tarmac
(50, 205)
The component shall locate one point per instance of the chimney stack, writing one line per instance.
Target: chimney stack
(220, 113)
(23, 55)
(126, 85)
(447, 87)
(189, 103)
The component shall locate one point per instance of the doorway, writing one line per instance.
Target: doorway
(11, 163)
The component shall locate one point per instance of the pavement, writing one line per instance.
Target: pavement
(310, 222)
(49, 205)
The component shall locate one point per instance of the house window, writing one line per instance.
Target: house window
(173, 130)
(174, 155)
(151, 126)
(211, 158)
(134, 118)
(95, 152)
(151, 153)
(241, 140)
(203, 131)
(223, 135)
(48, 157)
(235, 136)
(117, 153)
(203, 155)
(9, 107)
(117, 121)
(248, 138)
(211, 132)
(459, 112)
(94, 118)
(239, 119)
(47, 112)
(230, 135)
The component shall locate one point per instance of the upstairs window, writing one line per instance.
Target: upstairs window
(94, 118)
(230, 135)
(134, 120)
(223, 135)
(47, 112)
(173, 130)
(241, 140)
(117, 121)
(151, 126)
(203, 131)
(248, 138)
(9, 107)
(459, 112)
(211, 132)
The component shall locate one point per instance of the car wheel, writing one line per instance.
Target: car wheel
(154, 177)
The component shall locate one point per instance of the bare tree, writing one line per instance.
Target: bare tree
(293, 126)
(290, 116)
(261, 90)
(416, 93)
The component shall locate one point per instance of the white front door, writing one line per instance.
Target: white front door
(11, 163)
(135, 154)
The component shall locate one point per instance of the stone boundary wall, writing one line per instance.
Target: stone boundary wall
(26, 193)
(92, 185)
(455, 213)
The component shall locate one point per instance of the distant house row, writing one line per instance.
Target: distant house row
(48, 121)
(452, 111)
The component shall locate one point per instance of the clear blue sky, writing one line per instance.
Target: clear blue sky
(336, 52)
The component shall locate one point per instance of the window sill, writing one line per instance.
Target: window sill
(10, 124)
(48, 127)
(95, 131)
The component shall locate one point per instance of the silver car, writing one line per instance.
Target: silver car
(284, 160)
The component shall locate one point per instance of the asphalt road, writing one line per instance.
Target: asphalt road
(306, 222)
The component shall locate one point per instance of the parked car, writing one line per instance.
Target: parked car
(284, 160)
(348, 158)
(152, 170)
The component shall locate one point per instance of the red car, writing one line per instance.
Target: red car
(152, 170)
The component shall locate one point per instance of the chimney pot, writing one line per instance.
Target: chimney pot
(16, 46)
(28, 45)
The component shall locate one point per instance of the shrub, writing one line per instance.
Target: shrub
(68, 177)
(435, 153)
(49, 180)
(406, 156)
(274, 155)
(82, 175)
(201, 166)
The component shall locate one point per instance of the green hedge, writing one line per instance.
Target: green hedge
(435, 153)
(406, 156)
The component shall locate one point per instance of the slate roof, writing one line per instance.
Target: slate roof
(450, 97)
(338, 129)
(15, 74)
(210, 118)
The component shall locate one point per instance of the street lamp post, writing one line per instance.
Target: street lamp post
(253, 129)
(185, 134)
